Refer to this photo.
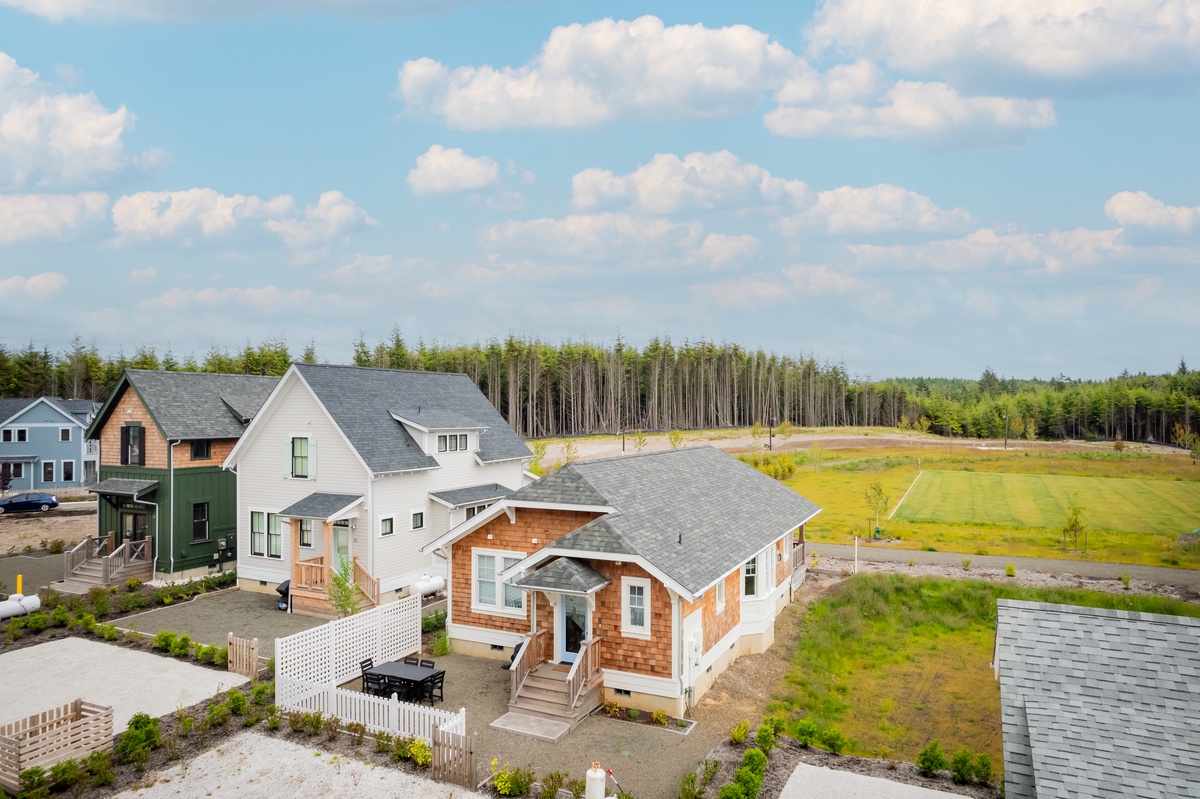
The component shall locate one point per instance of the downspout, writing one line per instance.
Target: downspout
(371, 528)
(171, 469)
(156, 514)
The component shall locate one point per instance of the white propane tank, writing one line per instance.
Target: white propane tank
(427, 584)
(18, 605)
(596, 781)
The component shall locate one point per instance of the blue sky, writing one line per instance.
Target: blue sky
(903, 187)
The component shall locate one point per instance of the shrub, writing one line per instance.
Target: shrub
(434, 621)
(441, 644)
(35, 784)
(551, 783)
(221, 657)
(755, 760)
(806, 731)
(185, 725)
(1125, 580)
(777, 724)
(313, 722)
(218, 715)
(273, 717)
(99, 765)
(833, 740)
(57, 546)
(236, 701)
(748, 781)
(131, 602)
(966, 564)
(98, 599)
(1010, 570)
(164, 641)
(67, 774)
(709, 769)
(15, 628)
(140, 739)
(205, 654)
(60, 616)
(421, 755)
(612, 709)
(731, 790)
(509, 781)
(634, 713)
(383, 742)
(250, 719)
(86, 622)
(357, 731)
(738, 734)
(577, 788)
(930, 760)
(983, 768)
(182, 646)
(962, 767)
(660, 718)
(295, 720)
(36, 622)
(260, 693)
(132, 584)
(132, 636)
(764, 736)
(108, 632)
(332, 727)
(687, 787)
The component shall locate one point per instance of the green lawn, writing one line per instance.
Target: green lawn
(1157, 507)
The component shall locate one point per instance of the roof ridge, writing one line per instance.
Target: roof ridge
(637, 455)
(380, 369)
(1109, 613)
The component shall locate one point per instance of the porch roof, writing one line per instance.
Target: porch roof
(565, 576)
(471, 494)
(18, 458)
(321, 506)
(124, 487)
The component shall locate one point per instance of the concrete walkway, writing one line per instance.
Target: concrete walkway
(1187, 578)
(815, 782)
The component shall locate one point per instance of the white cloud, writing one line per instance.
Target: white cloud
(718, 249)
(1139, 209)
(910, 109)
(698, 181)
(448, 171)
(39, 286)
(586, 74)
(34, 216)
(148, 274)
(876, 209)
(1055, 251)
(334, 215)
(208, 213)
(158, 11)
(1061, 40)
(598, 236)
(817, 279)
(59, 139)
(267, 299)
(742, 293)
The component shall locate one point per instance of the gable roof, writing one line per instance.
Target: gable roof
(1098, 702)
(11, 407)
(361, 400)
(321, 506)
(192, 405)
(471, 495)
(75, 411)
(696, 514)
(565, 575)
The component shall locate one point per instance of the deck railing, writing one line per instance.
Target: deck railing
(310, 574)
(586, 666)
(88, 549)
(364, 580)
(530, 654)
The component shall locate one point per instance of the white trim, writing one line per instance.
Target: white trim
(70, 417)
(14, 431)
(411, 514)
(757, 615)
(483, 635)
(62, 430)
(425, 429)
(719, 588)
(310, 457)
(392, 532)
(498, 609)
(63, 472)
(718, 650)
(53, 471)
(641, 683)
(650, 568)
(267, 514)
(470, 525)
(628, 630)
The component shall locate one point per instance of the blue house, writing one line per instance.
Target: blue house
(43, 446)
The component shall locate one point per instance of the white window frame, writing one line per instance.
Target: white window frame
(62, 469)
(720, 589)
(441, 444)
(17, 472)
(462, 442)
(53, 469)
(757, 577)
(387, 526)
(15, 435)
(263, 552)
(472, 511)
(308, 458)
(628, 630)
(412, 519)
(62, 430)
(278, 535)
(499, 608)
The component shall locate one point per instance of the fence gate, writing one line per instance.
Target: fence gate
(243, 655)
(454, 758)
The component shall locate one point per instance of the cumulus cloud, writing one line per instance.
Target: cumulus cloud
(741, 293)
(148, 274)
(817, 279)
(267, 299)
(448, 171)
(50, 138)
(1063, 40)
(208, 213)
(598, 236)
(157, 11)
(39, 286)
(719, 250)
(909, 109)
(54, 216)
(586, 74)
(876, 209)
(1139, 209)
(1055, 251)
(698, 181)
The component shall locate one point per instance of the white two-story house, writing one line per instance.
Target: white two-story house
(366, 465)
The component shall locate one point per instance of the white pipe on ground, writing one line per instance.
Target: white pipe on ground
(18, 604)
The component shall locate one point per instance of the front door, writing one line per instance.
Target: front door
(574, 626)
(133, 526)
(341, 544)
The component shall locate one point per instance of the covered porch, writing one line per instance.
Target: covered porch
(114, 556)
(312, 577)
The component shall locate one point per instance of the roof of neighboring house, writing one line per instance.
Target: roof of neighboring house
(1098, 702)
(75, 410)
(123, 487)
(361, 401)
(321, 506)
(192, 405)
(696, 513)
(11, 407)
(565, 575)
(471, 494)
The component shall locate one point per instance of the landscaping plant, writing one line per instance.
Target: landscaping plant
(930, 760)
(139, 740)
(764, 736)
(962, 767)
(552, 782)
(738, 734)
(832, 739)
(983, 768)
(660, 718)
(510, 781)
(806, 731)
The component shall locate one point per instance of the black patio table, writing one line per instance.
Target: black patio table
(412, 677)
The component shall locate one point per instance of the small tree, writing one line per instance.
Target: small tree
(570, 452)
(640, 440)
(816, 454)
(877, 500)
(1119, 443)
(756, 434)
(539, 452)
(675, 439)
(1185, 438)
(5, 478)
(786, 430)
(1075, 527)
(343, 593)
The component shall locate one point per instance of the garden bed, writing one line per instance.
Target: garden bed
(611, 710)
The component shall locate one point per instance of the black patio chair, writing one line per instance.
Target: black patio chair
(374, 684)
(412, 660)
(431, 689)
(427, 664)
(367, 665)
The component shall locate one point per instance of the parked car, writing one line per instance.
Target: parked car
(35, 500)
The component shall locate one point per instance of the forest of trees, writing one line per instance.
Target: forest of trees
(581, 388)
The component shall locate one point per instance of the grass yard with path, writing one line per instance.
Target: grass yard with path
(895, 662)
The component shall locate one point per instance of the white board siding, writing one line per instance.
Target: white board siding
(397, 561)
(263, 486)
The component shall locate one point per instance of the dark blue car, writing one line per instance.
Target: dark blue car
(35, 500)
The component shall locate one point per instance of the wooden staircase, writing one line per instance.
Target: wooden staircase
(545, 693)
(94, 562)
(310, 588)
(547, 702)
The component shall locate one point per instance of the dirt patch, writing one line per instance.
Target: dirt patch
(20, 530)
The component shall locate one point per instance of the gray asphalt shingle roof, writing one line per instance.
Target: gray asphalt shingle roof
(565, 574)
(319, 505)
(1098, 703)
(11, 407)
(696, 513)
(123, 487)
(472, 494)
(196, 405)
(361, 400)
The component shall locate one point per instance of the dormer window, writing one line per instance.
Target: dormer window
(452, 443)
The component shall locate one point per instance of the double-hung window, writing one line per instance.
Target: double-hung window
(199, 521)
(12, 434)
(750, 578)
(258, 533)
(133, 445)
(452, 443)
(306, 533)
(418, 520)
(68, 471)
(274, 537)
(300, 457)
(635, 607)
(47, 471)
(64, 434)
(491, 595)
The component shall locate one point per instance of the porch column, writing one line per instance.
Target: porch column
(295, 549)
(328, 554)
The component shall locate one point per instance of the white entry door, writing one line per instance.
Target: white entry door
(574, 626)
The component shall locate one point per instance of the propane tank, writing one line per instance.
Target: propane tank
(596, 780)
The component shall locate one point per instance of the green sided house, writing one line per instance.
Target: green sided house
(167, 510)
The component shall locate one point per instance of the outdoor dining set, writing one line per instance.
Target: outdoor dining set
(412, 680)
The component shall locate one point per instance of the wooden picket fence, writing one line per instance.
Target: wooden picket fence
(73, 730)
(243, 655)
(454, 758)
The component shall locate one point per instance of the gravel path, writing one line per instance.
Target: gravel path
(38, 572)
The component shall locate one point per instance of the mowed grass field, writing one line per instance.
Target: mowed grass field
(1041, 500)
